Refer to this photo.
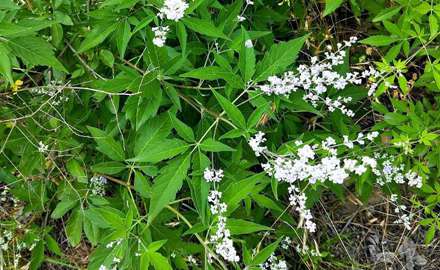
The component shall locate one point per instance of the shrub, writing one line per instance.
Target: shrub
(208, 134)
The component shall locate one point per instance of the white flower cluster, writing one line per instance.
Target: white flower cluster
(160, 35)
(10, 243)
(274, 263)
(212, 175)
(286, 243)
(42, 148)
(97, 185)
(405, 218)
(54, 91)
(222, 237)
(318, 77)
(298, 200)
(191, 260)
(173, 10)
(389, 173)
(256, 142)
(7, 197)
(322, 162)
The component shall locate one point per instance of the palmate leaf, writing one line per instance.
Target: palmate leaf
(161, 150)
(279, 57)
(107, 145)
(35, 51)
(231, 110)
(168, 184)
(154, 130)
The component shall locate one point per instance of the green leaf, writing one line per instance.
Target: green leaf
(153, 131)
(161, 150)
(52, 245)
(427, 137)
(142, 185)
(182, 36)
(76, 170)
(96, 36)
(107, 145)
(212, 145)
(379, 40)
(265, 253)
(430, 234)
(232, 111)
(394, 118)
(159, 262)
(279, 57)
(247, 57)
(386, 14)
(62, 208)
(23, 28)
(331, 5)
(74, 228)
(240, 226)
(239, 190)
(403, 84)
(167, 184)
(123, 35)
(109, 167)
(35, 51)
(266, 202)
(37, 256)
(436, 75)
(204, 27)
(182, 129)
(5, 64)
(433, 26)
(215, 73)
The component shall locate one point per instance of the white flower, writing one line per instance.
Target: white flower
(414, 179)
(306, 152)
(241, 18)
(160, 35)
(372, 135)
(248, 44)
(102, 267)
(42, 148)
(173, 9)
(221, 239)
(97, 185)
(255, 143)
(212, 175)
(315, 79)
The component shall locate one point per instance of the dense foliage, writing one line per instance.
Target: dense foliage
(204, 134)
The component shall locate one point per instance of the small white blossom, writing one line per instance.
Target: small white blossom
(42, 148)
(248, 44)
(212, 175)
(255, 143)
(173, 9)
(160, 35)
(97, 185)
